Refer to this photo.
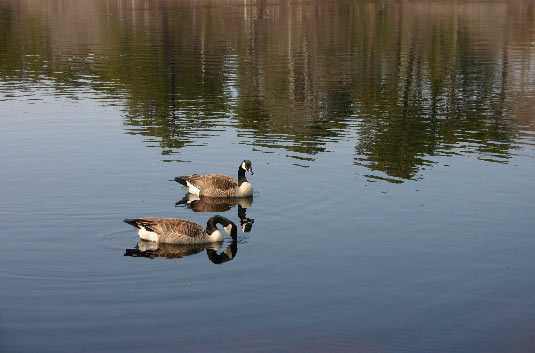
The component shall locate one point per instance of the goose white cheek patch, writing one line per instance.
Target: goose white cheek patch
(228, 228)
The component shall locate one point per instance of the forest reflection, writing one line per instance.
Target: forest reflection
(405, 81)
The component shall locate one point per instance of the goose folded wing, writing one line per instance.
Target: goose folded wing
(172, 226)
(213, 181)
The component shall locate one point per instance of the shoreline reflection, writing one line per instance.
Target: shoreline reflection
(445, 78)
(457, 89)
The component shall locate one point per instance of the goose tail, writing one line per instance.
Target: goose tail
(182, 180)
(133, 222)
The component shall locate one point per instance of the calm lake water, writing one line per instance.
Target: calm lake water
(393, 145)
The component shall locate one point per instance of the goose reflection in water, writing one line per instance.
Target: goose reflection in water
(151, 250)
(220, 204)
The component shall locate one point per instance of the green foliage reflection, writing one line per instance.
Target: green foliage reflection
(409, 80)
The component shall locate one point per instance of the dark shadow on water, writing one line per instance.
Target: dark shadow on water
(220, 204)
(152, 250)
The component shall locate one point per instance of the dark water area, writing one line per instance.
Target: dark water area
(393, 148)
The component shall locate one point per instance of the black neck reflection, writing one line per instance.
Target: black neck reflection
(228, 254)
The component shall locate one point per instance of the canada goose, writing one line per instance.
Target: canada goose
(152, 250)
(180, 231)
(219, 185)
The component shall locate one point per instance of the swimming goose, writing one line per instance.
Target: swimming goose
(219, 185)
(180, 231)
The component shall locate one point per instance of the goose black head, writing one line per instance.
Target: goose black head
(246, 165)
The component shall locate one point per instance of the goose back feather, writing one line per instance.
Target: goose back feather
(218, 185)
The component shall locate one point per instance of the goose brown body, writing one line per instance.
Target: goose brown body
(214, 185)
(181, 231)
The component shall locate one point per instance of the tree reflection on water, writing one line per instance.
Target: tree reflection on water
(405, 81)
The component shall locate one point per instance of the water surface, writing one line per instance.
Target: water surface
(393, 146)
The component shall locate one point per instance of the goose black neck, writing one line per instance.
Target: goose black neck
(211, 226)
(241, 176)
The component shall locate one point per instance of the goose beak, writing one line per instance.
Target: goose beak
(250, 170)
